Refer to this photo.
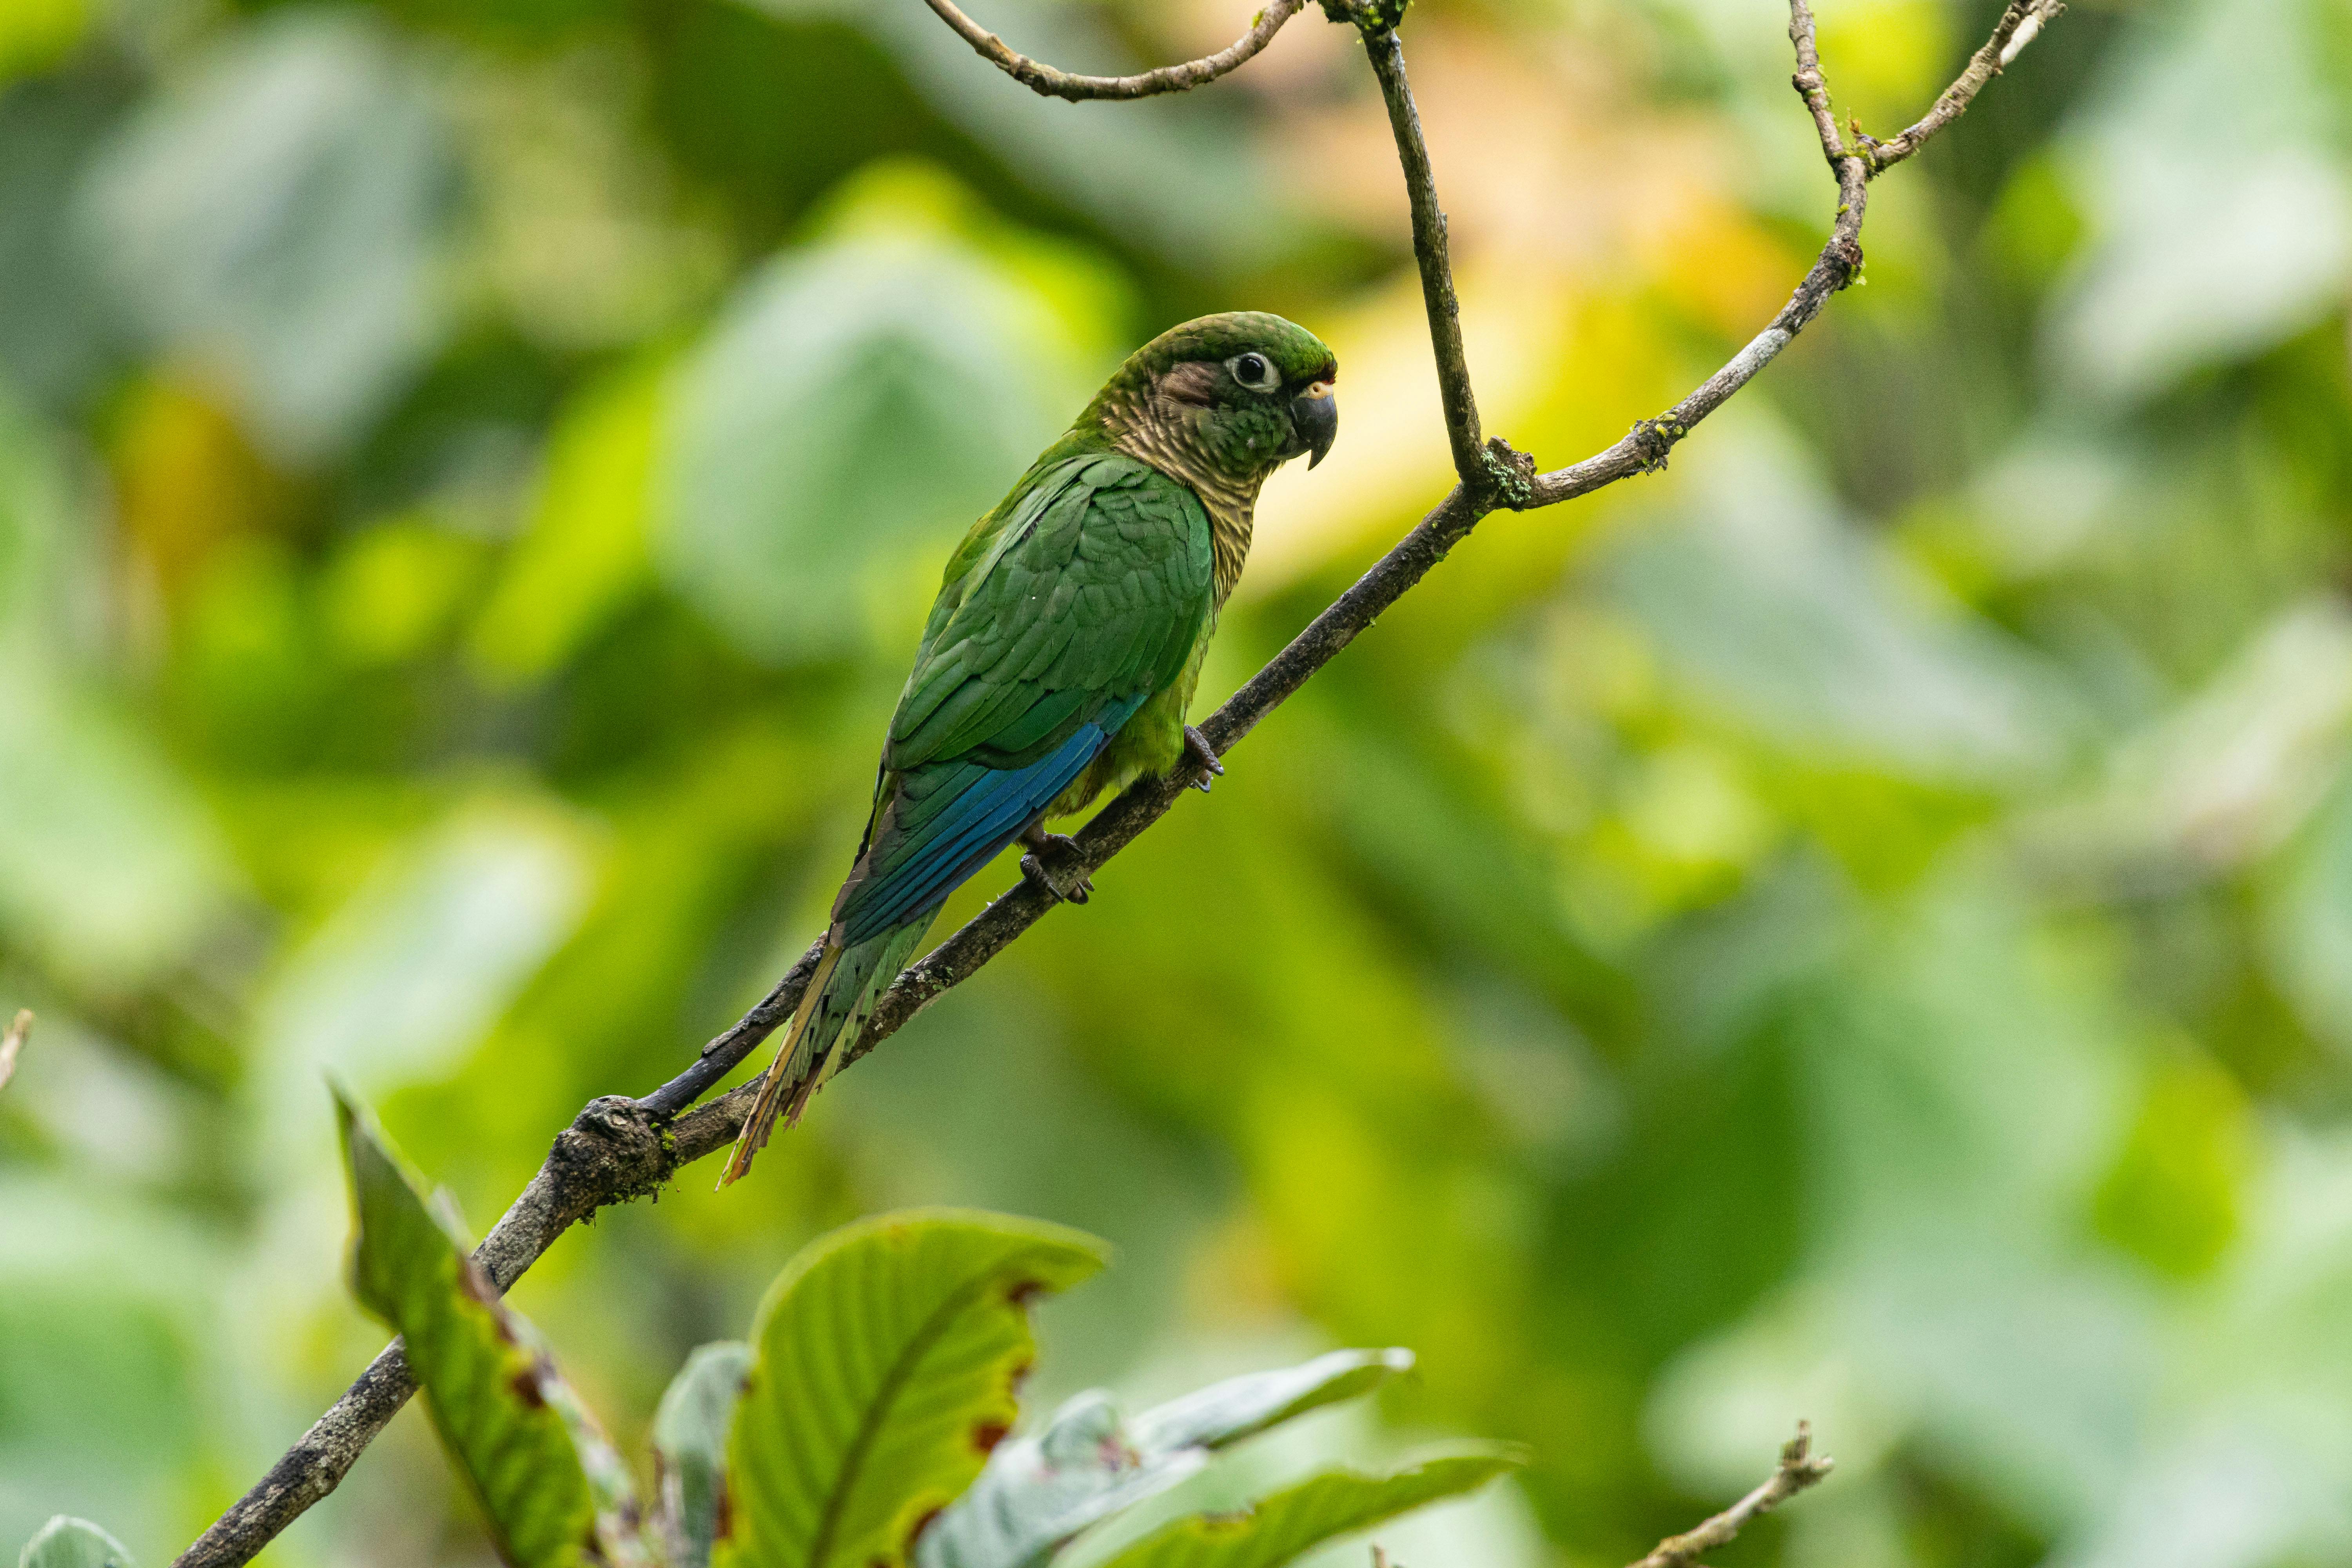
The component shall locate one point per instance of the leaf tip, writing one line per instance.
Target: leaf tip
(65, 1542)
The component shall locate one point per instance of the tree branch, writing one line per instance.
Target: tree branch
(1471, 461)
(1045, 79)
(2019, 27)
(1809, 85)
(13, 1042)
(1798, 1469)
(1645, 449)
(618, 1149)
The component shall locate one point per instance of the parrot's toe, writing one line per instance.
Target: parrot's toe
(1202, 760)
(1070, 884)
(1073, 891)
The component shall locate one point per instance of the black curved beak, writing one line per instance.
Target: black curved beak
(1314, 414)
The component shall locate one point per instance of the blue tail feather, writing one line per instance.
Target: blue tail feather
(972, 829)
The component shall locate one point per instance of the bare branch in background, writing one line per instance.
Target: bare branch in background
(1797, 1470)
(618, 1149)
(1043, 78)
(2018, 28)
(12, 1043)
(1429, 249)
(1840, 260)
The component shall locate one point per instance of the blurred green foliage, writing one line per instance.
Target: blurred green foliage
(1856, 926)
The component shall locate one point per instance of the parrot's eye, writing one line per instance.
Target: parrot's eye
(1253, 372)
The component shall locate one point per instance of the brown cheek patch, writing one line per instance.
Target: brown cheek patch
(1194, 382)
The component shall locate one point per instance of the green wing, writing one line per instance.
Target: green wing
(1086, 603)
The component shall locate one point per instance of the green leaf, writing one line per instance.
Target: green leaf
(1301, 1518)
(1239, 1407)
(509, 1424)
(690, 1429)
(887, 1355)
(1087, 1464)
(612, 1488)
(66, 1543)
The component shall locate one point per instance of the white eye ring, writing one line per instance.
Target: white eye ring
(1254, 370)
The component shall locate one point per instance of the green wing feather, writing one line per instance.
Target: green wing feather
(1062, 612)
(1085, 601)
(1094, 588)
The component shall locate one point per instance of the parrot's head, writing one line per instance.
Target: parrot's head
(1244, 391)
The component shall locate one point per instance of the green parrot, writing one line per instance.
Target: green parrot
(1060, 656)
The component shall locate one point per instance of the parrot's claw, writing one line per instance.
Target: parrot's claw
(1072, 887)
(1202, 756)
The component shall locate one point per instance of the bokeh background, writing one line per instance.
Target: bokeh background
(1856, 926)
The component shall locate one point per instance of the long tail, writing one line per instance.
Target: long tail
(824, 1028)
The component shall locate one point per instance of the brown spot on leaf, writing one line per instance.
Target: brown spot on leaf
(988, 1435)
(723, 1514)
(1025, 1292)
(525, 1386)
(921, 1525)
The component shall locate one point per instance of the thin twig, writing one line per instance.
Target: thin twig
(2019, 27)
(619, 1149)
(1471, 462)
(1043, 78)
(1809, 84)
(1645, 447)
(13, 1042)
(1798, 1469)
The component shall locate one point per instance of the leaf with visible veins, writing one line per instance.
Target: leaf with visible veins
(887, 1358)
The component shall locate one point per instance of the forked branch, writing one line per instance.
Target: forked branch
(618, 1149)
(2018, 28)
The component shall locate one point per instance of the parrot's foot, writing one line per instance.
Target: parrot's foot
(1064, 881)
(1200, 762)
